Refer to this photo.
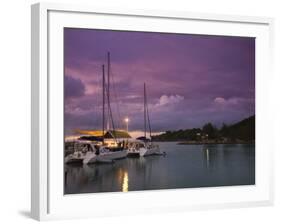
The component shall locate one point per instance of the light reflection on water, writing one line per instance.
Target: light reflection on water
(184, 166)
(125, 185)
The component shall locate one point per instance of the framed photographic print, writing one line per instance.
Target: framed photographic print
(165, 111)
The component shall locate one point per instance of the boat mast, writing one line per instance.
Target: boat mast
(144, 109)
(108, 92)
(108, 85)
(146, 114)
(110, 116)
(148, 120)
(103, 103)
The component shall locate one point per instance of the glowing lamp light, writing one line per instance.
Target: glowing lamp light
(127, 123)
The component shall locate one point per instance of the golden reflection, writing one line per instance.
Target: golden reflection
(125, 184)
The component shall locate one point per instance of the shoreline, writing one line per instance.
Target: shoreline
(215, 143)
(208, 143)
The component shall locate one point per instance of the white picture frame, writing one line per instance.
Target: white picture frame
(47, 201)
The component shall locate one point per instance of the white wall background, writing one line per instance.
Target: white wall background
(15, 110)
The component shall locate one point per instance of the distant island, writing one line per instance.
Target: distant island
(242, 132)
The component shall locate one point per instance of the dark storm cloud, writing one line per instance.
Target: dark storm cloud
(191, 79)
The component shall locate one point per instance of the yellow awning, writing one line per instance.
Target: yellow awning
(107, 134)
(96, 133)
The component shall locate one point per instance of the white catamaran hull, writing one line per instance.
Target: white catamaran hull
(76, 157)
(134, 152)
(147, 152)
(105, 157)
(69, 160)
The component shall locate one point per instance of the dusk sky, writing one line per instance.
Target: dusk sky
(190, 79)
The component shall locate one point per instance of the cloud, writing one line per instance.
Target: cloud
(169, 100)
(73, 87)
(244, 106)
(219, 100)
(230, 101)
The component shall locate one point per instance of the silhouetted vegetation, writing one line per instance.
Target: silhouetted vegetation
(241, 132)
(188, 134)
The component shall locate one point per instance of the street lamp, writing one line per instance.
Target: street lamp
(127, 123)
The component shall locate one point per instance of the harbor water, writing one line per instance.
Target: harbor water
(184, 166)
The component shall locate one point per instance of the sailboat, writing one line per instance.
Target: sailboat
(144, 146)
(107, 151)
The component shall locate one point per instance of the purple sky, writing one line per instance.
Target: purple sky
(191, 79)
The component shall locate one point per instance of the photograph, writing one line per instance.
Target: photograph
(157, 110)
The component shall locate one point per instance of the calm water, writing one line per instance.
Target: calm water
(184, 166)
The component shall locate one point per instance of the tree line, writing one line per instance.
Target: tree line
(243, 130)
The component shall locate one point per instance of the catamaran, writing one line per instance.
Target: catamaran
(144, 146)
(134, 147)
(81, 150)
(108, 150)
(105, 155)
